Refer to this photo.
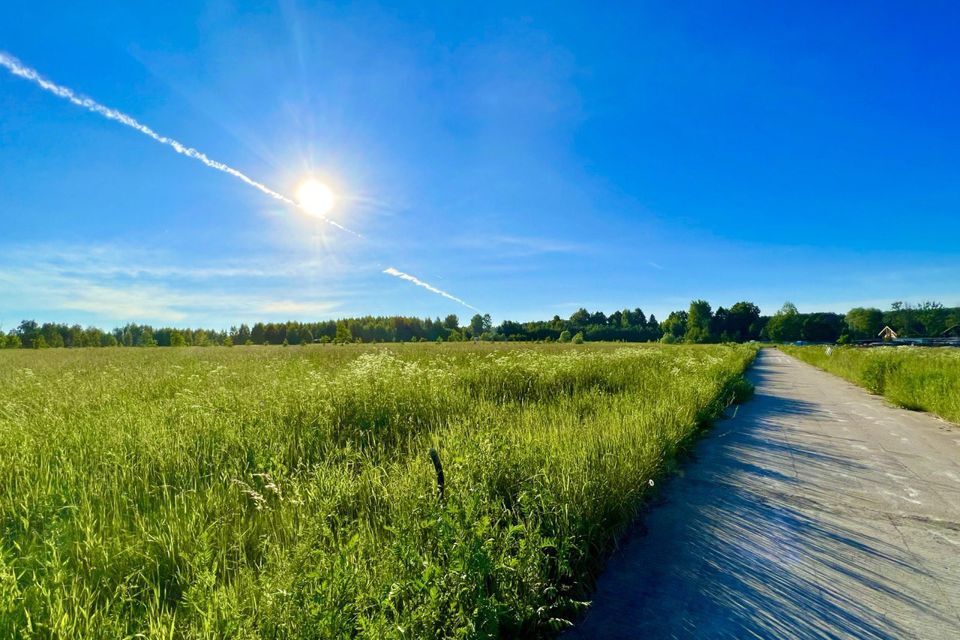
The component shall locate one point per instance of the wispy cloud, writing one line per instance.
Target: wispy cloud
(523, 246)
(295, 307)
(114, 260)
(114, 284)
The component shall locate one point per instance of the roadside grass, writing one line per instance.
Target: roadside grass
(918, 378)
(287, 493)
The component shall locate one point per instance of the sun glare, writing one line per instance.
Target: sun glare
(315, 197)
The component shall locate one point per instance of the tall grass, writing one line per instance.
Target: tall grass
(920, 378)
(269, 492)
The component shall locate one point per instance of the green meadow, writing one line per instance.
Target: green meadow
(920, 378)
(269, 492)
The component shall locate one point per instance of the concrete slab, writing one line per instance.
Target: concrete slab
(819, 511)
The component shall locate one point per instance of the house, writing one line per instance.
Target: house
(887, 334)
(952, 332)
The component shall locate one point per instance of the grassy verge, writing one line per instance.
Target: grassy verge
(270, 492)
(917, 378)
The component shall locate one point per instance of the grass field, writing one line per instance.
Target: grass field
(926, 379)
(288, 492)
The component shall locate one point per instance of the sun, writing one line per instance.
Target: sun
(315, 197)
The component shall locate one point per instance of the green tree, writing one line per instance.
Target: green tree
(933, 317)
(52, 336)
(598, 318)
(904, 319)
(675, 325)
(344, 335)
(451, 322)
(864, 323)
(742, 321)
(243, 335)
(720, 325)
(653, 328)
(476, 325)
(147, 339)
(698, 322)
(510, 330)
(580, 317)
(480, 324)
(28, 330)
(177, 339)
(822, 327)
(75, 336)
(564, 336)
(577, 339)
(786, 325)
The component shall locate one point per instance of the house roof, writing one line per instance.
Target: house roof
(954, 330)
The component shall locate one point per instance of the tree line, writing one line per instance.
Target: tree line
(743, 322)
(699, 323)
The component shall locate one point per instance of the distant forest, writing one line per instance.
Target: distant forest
(697, 324)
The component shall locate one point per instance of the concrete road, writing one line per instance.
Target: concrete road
(818, 511)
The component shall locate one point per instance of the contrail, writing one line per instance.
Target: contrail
(18, 69)
(390, 271)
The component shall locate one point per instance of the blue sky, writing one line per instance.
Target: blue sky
(528, 159)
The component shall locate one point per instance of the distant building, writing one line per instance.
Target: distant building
(887, 334)
(952, 332)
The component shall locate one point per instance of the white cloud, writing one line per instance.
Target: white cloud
(117, 284)
(111, 260)
(523, 246)
(295, 307)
